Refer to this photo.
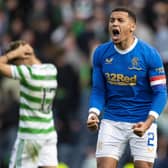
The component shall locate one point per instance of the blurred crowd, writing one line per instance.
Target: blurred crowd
(65, 32)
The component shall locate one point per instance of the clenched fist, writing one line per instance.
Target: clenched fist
(92, 122)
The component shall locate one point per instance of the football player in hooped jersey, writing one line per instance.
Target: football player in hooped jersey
(129, 87)
(35, 146)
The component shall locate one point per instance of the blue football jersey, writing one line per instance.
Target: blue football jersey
(128, 85)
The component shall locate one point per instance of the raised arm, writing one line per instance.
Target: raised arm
(22, 51)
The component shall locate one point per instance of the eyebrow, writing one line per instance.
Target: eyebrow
(111, 17)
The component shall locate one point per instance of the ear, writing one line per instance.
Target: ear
(133, 27)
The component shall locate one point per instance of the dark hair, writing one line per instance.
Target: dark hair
(14, 45)
(130, 13)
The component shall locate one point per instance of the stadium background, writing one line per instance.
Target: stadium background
(65, 33)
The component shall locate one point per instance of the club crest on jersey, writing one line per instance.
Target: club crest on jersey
(108, 60)
(135, 64)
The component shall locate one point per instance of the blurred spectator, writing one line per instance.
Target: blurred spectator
(56, 13)
(66, 106)
(67, 12)
(83, 9)
(3, 22)
(73, 54)
(8, 126)
(90, 160)
(16, 28)
(160, 9)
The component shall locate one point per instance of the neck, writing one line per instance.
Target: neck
(34, 60)
(125, 44)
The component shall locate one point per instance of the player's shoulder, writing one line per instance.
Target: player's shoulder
(146, 46)
(101, 50)
(149, 51)
(49, 65)
(43, 66)
(51, 68)
(105, 46)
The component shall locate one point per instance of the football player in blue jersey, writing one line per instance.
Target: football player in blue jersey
(129, 90)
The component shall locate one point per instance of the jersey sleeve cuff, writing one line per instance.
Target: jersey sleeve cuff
(154, 113)
(13, 71)
(95, 110)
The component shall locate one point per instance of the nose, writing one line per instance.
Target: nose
(115, 22)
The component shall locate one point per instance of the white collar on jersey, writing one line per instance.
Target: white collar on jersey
(128, 49)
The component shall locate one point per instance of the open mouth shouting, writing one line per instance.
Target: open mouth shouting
(115, 34)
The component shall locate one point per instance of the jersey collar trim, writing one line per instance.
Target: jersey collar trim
(128, 49)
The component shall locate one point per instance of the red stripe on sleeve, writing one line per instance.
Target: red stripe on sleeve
(154, 78)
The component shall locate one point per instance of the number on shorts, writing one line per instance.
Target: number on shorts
(151, 139)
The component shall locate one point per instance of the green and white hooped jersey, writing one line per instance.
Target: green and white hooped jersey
(37, 89)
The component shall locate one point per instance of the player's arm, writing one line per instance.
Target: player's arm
(141, 127)
(5, 68)
(157, 80)
(22, 50)
(97, 97)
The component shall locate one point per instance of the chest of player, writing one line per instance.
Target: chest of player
(124, 69)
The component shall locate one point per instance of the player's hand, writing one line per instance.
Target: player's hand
(92, 122)
(24, 51)
(139, 129)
